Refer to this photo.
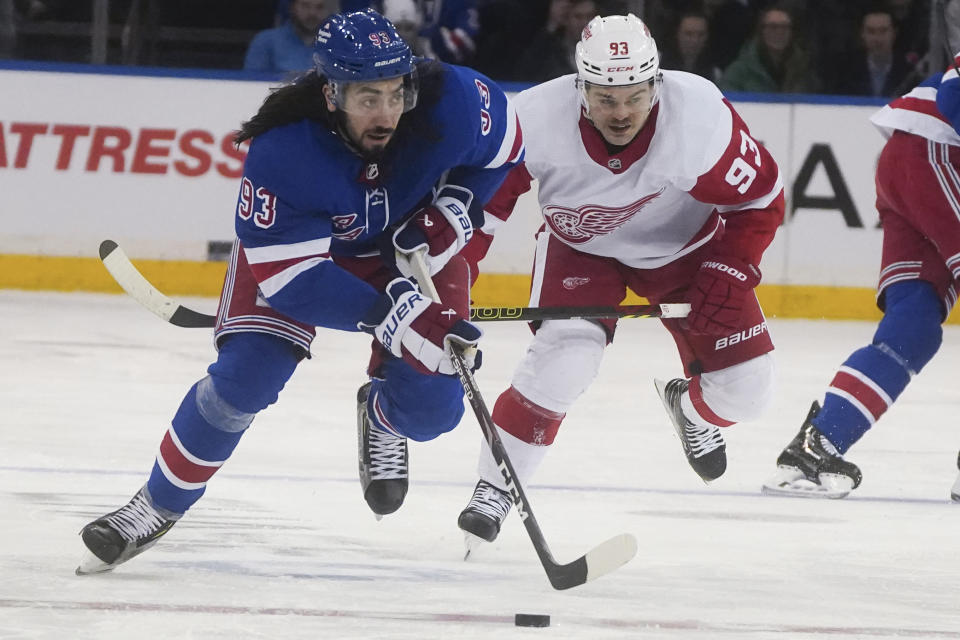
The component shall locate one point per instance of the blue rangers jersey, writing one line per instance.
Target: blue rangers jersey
(306, 197)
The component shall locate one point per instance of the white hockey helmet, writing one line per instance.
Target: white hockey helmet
(616, 51)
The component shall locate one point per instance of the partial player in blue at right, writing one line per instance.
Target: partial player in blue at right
(918, 198)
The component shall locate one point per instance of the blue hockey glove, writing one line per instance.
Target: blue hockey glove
(411, 326)
(442, 229)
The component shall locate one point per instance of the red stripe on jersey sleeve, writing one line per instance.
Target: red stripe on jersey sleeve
(515, 185)
(926, 107)
(745, 172)
(501, 206)
(749, 232)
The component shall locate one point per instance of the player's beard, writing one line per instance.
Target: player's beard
(372, 154)
(375, 150)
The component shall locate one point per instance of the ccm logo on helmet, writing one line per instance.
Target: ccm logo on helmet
(616, 69)
(722, 268)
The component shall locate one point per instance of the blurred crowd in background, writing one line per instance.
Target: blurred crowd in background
(849, 47)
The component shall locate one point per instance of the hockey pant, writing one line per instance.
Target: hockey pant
(250, 371)
(562, 361)
(873, 377)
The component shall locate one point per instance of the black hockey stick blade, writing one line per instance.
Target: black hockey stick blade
(140, 289)
(600, 560)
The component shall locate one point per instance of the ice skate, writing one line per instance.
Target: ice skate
(703, 445)
(383, 462)
(811, 467)
(122, 534)
(482, 518)
(955, 490)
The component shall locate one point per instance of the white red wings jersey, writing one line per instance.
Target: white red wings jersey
(659, 197)
(916, 112)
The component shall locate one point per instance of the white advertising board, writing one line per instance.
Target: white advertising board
(149, 161)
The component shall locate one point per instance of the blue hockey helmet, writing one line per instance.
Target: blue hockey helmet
(361, 47)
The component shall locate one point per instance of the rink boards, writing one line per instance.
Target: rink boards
(147, 160)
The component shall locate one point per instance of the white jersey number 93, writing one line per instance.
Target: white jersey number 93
(741, 173)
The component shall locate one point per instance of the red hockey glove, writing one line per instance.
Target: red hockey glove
(418, 330)
(718, 294)
(443, 229)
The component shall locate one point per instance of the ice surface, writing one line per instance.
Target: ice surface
(283, 546)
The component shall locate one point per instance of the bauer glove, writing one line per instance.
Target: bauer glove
(442, 229)
(412, 327)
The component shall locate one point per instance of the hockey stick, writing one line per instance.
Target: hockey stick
(140, 289)
(600, 560)
(536, 314)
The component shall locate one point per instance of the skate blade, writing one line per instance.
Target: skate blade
(791, 482)
(91, 565)
(471, 543)
(955, 491)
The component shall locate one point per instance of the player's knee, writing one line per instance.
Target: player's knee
(911, 327)
(431, 412)
(217, 412)
(741, 392)
(560, 363)
(251, 370)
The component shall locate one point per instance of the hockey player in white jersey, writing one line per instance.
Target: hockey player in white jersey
(648, 179)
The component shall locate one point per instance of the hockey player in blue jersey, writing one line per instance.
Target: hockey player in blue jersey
(373, 154)
(918, 198)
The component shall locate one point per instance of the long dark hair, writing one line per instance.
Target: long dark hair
(303, 99)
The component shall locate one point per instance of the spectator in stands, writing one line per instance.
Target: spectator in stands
(912, 18)
(449, 27)
(772, 61)
(288, 47)
(8, 32)
(550, 53)
(407, 19)
(506, 27)
(688, 49)
(951, 15)
(874, 69)
(730, 24)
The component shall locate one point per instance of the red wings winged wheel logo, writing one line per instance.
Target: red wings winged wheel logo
(586, 222)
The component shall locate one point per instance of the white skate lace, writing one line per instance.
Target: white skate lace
(828, 447)
(135, 520)
(387, 459)
(702, 439)
(490, 501)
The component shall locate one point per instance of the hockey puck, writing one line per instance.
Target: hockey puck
(531, 620)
